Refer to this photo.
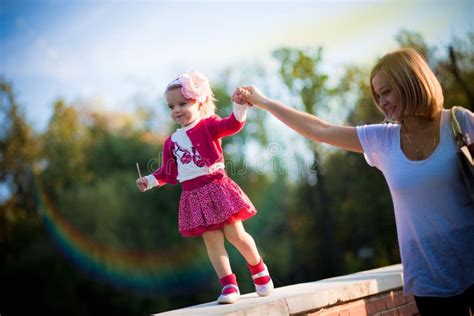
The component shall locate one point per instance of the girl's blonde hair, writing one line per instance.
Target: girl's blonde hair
(412, 79)
(194, 85)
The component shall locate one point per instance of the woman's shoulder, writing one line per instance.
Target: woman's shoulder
(382, 129)
(463, 113)
(463, 110)
(466, 120)
(378, 137)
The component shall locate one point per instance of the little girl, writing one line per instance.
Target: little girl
(211, 204)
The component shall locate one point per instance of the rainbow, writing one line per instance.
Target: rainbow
(138, 271)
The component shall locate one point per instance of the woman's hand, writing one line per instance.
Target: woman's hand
(240, 96)
(142, 184)
(254, 96)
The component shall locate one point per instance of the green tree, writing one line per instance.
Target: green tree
(19, 148)
(456, 73)
(301, 72)
(64, 144)
(453, 67)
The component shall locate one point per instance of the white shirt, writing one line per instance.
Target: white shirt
(433, 212)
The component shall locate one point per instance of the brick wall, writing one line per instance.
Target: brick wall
(391, 303)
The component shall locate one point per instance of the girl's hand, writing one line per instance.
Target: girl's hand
(142, 184)
(254, 96)
(240, 96)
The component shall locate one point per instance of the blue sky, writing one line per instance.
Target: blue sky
(113, 53)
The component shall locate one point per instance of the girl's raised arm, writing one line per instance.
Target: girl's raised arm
(306, 124)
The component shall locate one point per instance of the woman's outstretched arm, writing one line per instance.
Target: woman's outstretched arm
(306, 124)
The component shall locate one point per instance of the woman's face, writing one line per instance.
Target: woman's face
(387, 98)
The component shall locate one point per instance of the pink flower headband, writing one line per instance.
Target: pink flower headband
(194, 85)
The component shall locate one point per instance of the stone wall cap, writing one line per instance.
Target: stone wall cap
(305, 297)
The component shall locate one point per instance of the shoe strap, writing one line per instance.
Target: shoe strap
(230, 286)
(261, 274)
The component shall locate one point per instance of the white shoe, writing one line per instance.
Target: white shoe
(228, 298)
(263, 289)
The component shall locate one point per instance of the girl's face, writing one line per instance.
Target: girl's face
(183, 111)
(387, 98)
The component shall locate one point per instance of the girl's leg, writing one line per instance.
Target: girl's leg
(214, 241)
(237, 236)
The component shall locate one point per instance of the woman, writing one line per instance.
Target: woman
(417, 155)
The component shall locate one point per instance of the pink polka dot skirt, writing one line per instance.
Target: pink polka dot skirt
(212, 206)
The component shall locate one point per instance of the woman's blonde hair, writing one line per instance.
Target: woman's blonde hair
(412, 79)
(194, 85)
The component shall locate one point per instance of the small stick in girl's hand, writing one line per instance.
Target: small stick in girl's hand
(138, 169)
